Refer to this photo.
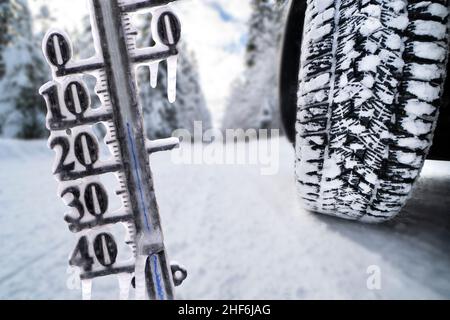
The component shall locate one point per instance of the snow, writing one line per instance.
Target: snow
(416, 126)
(241, 235)
(425, 72)
(319, 33)
(397, 5)
(429, 28)
(400, 22)
(424, 90)
(429, 50)
(419, 108)
(407, 158)
(316, 83)
(435, 9)
(394, 42)
(321, 18)
(321, 6)
(413, 143)
(372, 11)
(370, 63)
(162, 144)
(370, 26)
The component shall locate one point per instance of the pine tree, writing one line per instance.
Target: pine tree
(6, 17)
(253, 101)
(22, 110)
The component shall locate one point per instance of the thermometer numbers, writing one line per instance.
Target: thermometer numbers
(103, 247)
(85, 150)
(93, 198)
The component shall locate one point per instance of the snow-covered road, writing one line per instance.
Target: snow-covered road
(240, 234)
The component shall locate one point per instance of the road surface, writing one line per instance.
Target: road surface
(241, 235)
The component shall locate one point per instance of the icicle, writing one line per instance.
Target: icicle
(154, 73)
(86, 289)
(139, 277)
(124, 285)
(172, 78)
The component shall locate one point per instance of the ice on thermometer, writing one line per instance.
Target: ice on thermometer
(137, 257)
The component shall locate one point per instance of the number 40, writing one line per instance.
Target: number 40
(105, 252)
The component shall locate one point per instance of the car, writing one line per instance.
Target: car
(365, 100)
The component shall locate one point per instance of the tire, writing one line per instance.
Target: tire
(371, 77)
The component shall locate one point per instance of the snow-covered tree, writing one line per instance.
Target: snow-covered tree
(6, 17)
(253, 102)
(161, 117)
(22, 110)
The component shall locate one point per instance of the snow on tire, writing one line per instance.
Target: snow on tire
(371, 77)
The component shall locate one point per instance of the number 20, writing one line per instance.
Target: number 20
(86, 151)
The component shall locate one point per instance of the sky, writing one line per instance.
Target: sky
(216, 30)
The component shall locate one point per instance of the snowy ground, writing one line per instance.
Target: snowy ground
(240, 234)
